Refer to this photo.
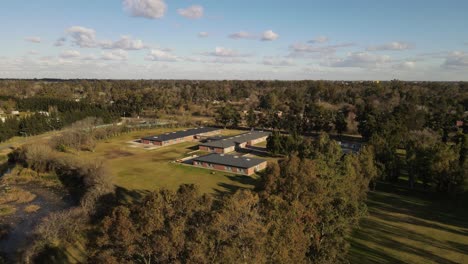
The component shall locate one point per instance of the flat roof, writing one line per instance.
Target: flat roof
(232, 141)
(230, 160)
(180, 134)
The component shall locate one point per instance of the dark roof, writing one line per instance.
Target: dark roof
(180, 134)
(215, 138)
(232, 141)
(230, 160)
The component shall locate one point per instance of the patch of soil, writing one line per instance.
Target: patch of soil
(20, 225)
(117, 153)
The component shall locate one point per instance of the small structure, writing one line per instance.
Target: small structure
(180, 136)
(230, 163)
(230, 144)
(15, 112)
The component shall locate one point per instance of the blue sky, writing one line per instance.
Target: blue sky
(215, 39)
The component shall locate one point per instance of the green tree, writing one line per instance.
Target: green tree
(227, 116)
(340, 123)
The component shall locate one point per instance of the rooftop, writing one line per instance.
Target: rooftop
(180, 134)
(232, 141)
(230, 160)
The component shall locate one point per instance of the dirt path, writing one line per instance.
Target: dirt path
(22, 224)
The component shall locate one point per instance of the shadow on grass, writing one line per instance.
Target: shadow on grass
(245, 182)
(420, 204)
(392, 207)
(126, 196)
(361, 253)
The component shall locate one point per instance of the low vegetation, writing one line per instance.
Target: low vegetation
(6, 209)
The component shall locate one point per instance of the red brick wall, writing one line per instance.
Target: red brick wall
(203, 148)
(255, 141)
(219, 150)
(262, 166)
(248, 171)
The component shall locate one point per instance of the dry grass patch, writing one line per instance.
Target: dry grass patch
(17, 195)
(32, 208)
(7, 210)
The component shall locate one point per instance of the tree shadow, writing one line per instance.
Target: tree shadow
(51, 254)
(227, 188)
(361, 253)
(125, 196)
(396, 206)
(420, 204)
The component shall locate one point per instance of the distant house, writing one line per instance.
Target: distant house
(230, 163)
(15, 112)
(459, 123)
(226, 145)
(180, 136)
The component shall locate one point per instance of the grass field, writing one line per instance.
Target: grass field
(140, 170)
(404, 227)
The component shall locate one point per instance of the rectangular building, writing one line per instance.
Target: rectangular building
(230, 163)
(180, 136)
(230, 144)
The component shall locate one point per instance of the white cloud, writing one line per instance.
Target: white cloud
(319, 39)
(241, 35)
(224, 52)
(203, 34)
(359, 60)
(70, 54)
(406, 65)
(274, 61)
(300, 49)
(115, 55)
(60, 42)
(228, 61)
(33, 39)
(160, 55)
(390, 46)
(82, 37)
(192, 12)
(145, 8)
(33, 52)
(89, 57)
(456, 60)
(269, 35)
(125, 43)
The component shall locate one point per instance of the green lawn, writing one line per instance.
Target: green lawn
(404, 227)
(140, 170)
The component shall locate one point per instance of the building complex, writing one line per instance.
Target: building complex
(180, 136)
(230, 144)
(230, 163)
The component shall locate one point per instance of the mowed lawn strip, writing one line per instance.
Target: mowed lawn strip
(145, 170)
(403, 228)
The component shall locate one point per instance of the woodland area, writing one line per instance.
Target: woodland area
(302, 209)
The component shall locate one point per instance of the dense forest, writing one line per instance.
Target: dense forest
(302, 210)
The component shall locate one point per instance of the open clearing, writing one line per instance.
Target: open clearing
(404, 227)
(140, 170)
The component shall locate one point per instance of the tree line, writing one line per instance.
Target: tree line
(50, 114)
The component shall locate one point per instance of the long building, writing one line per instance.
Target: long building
(230, 163)
(230, 144)
(180, 136)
